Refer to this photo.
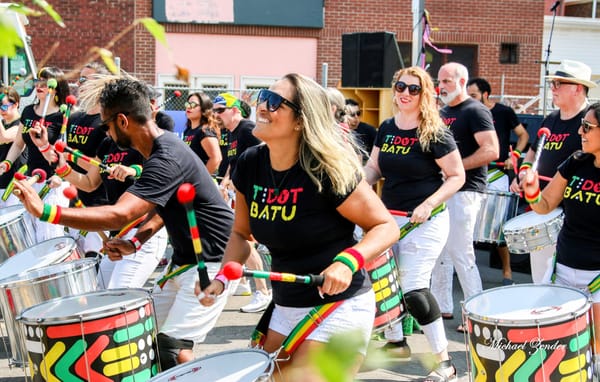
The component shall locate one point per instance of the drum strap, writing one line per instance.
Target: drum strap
(494, 174)
(173, 273)
(313, 319)
(409, 227)
(594, 285)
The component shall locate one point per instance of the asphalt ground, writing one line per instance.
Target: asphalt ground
(234, 328)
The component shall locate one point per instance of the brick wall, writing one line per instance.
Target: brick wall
(486, 23)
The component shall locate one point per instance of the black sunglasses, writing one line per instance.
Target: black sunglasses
(191, 105)
(353, 114)
(274, 101)
(82, 79)
(220, 110)
(104, 124)
(413, 90)
(586, 126)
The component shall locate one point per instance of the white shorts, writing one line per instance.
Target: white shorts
(576, 278)
(354, 314)
(179, 314)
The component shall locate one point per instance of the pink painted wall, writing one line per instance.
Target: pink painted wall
(238, 55)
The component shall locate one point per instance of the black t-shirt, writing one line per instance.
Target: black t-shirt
(464, 120)
(53, 122)
(194, 137)
(223, 145)
(301, 226)
(110, 154)
(563, 141)
(239, 140)
(84, 135)
(365, 135)
(4, 149)
(172, 163)
(578, 244)
(164, 121)
(411, 175)
(505, 121)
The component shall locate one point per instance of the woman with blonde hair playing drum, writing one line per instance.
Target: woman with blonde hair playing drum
(576, 186)
(418, 157)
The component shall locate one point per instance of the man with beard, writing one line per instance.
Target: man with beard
(364, 132)
(169, 163)
(473, 129)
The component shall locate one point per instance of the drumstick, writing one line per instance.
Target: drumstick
(71, 100)
(45, 190)
(11, 185)
(234, 271)
(513, 160)
(186, 194)
(71, 194)
(52, 84)
(496, 164)
(543, 134)
(130, 226)
(176, 94)
(37, 176)
(61, 147)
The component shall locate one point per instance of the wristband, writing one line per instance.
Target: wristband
(8, 164)
(136, 243)
(44, 148)
(51, 214)
(63, 171)
(533, 198)
(221, 277)
(351, 258)
(138, 170)
(525, 166)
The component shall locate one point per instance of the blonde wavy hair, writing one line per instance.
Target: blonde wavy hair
(324, 147)
(431, 127)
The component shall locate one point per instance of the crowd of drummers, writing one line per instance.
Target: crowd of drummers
(299, 170)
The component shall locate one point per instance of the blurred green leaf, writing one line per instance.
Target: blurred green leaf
(20, 8)
(338, 356)
(50, 11)
(107, 57)
(10, 40)
(157, 30)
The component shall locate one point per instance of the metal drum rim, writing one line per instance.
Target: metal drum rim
(142, 298)
(16, 218)
(527, 323)
(78, 265)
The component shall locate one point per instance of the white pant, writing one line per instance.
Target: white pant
(43, 231)
(541, 264)
(179, 314)
(91, 242)
(458, 252)
(135, 269)
(577, 278)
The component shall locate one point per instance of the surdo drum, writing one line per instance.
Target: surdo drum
(529, 332)
(107, 335)
(496, 209)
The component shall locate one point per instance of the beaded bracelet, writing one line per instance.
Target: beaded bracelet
(352, 258)
(44, 148)
(136, 243)
(8, 164)
(138, 170)
(63, 171)
(535, 198)
(51, 214)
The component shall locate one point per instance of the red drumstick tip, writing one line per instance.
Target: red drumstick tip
(70, 192)
(71, 100)
(186, 193)
(60, 146)
(19, 176)
(177, 93)
(543, 131)
(40, 173)
(232, 270)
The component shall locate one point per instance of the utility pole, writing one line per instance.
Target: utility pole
(418, 7)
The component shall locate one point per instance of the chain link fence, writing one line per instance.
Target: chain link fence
(170, 101)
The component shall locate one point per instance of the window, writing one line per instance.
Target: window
(509, 53)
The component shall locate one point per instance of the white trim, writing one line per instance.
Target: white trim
(256, 82)
(212, 82)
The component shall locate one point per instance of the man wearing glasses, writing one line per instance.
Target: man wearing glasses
(364, 132)
(569, 85)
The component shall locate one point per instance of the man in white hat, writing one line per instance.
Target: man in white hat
(570, 85)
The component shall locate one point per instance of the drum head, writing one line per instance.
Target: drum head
(86, 306)
(11, 213)
(40, 255)
(236, 365)
(520, 305)
(530, 219)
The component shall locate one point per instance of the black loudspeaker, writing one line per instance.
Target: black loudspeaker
(369, 59)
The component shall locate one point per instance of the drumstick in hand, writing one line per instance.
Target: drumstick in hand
(71, 100)
(37, 176)
(71, 194)
(52, 84)
(61, 147)
(234, 271)
(543, 134)
(11, 185)
(186, 194)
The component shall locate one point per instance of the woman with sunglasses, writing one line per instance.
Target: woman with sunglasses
(419, 159)
(576, 187)
(9, 128)
(201, 131)
(301, 195)
(43, 114)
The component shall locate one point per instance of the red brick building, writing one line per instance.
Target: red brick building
(484, 33)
